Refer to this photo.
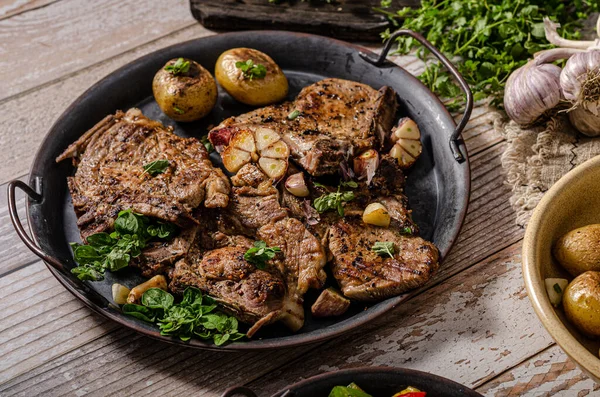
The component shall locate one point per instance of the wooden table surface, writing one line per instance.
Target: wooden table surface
(473, 324)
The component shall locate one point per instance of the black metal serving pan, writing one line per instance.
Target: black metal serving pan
(438, 184)
(377, 381)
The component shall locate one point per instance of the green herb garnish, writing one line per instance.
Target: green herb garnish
(180, 66)
(351, 184)
(383, 248)
(489, 40)
(209, 147)
(406, 230)
(334, 200)
(293, 114)
(260, 254)
(251, 70)
(156, 167)
(194, 316)
(557, 288)
(114, 251)
(178, 110)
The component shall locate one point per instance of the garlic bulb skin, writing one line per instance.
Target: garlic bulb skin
(531, 91)
(579, 69)
(585, 121)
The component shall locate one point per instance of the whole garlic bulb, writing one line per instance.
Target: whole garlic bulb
(531, 91)
(577, 76)
(585, 121)
(580, 82)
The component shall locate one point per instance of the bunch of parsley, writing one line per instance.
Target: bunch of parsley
(195, 316)
(114, 251)
(486, 39)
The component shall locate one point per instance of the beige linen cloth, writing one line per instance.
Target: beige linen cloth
(538, 157)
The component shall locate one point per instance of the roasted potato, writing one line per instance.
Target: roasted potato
(579, 250)
(581, 302)
(184, 90)
(251, 77)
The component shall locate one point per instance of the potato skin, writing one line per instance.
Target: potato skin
(258, 91)
(579, 250)
(194, 93)
(581, 302)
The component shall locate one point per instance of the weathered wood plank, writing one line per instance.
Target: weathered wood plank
(9, 8)
(40, 320)
(490, 222)
(69, 35)
(13, 252)
(124, 363)
(549, 373)
(459, 330)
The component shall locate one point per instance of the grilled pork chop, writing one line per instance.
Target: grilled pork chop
(366, 276)
(361, 273)
(110, 176)
(253, 295)
(336, 120)
(258, 297)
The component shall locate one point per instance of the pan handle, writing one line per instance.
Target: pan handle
(238, 391)
(16, 221)
(454, 138)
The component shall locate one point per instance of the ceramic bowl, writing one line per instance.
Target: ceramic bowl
(574, 201)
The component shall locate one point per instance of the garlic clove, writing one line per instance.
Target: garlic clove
(296, 185)
(407, 129)
(244, 140)
(366, 165)
(274, 168)
(265, 137)
(413, 147)
(278, 150)
(234, 159)
(404, 158)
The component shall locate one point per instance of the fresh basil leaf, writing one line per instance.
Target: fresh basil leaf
(251, 70)
(156, 298)
(384, 248)
(128, 222)
(158, 166)
(334, 201)
(162, 230)
(100, 240)
(180, 66)
(192, 297)
(89, 272)
(117, 259)
(260, 254)
(219, 339)
(86, 254)
(139, 311)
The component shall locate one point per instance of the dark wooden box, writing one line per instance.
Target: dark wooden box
(345, 19)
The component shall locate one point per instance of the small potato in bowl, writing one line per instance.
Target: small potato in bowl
(184, 90)
(251, 77)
